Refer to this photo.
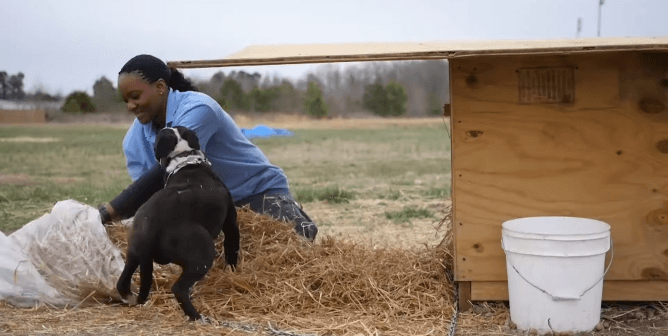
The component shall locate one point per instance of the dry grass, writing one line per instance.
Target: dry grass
(284, 286)
(336, 286)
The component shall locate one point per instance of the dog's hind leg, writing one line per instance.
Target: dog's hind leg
(146, 275)
(125, 280)
(195, 266)
(181, 289)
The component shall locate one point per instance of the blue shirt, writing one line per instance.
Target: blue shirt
(240, 164)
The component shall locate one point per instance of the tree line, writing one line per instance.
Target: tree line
(11, 88)
(384, 88)
(394, 88)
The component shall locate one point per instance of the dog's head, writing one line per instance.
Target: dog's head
(172, 141)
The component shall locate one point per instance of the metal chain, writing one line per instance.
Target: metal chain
(447, 128)
(453, 322)
(276, 332)
(455, 317)
(249, 328)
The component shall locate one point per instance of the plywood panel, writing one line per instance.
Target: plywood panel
(357, 52)
(642, 290)
(605, 156)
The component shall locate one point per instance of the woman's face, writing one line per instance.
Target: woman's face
(147, 101)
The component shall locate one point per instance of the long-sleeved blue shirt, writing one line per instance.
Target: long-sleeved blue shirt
(240, 164)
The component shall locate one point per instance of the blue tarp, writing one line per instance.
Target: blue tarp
(264, 131)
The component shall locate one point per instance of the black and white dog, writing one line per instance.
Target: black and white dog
(179, 222)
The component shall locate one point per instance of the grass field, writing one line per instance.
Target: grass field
(377, 180)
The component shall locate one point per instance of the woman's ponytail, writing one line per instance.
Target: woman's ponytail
(179, 82)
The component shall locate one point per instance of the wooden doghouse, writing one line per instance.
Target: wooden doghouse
(540, 128)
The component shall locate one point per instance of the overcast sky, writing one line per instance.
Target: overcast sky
(66, 45)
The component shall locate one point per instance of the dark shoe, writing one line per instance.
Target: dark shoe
(307, 229)
(305, 225)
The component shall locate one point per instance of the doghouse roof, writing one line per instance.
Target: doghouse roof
(328, 53)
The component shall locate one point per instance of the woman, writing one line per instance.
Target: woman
(162, 97)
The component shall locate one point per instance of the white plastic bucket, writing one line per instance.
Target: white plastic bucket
(555, 272)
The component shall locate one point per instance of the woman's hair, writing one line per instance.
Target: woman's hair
(152, 69)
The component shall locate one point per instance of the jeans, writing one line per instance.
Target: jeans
(282, 207)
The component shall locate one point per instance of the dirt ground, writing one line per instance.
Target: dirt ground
(372, 229)
(618, 319)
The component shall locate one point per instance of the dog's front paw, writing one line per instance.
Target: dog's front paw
(231, 259)
(203, 319)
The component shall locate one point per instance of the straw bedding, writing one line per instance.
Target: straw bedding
(336, 286)
(286, 286)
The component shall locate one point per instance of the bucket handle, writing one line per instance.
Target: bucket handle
(564, 298)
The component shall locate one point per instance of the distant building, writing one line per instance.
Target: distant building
(30, 105)
(30, 112)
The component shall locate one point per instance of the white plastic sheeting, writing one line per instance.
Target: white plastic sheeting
(20, 283)
(60, 258)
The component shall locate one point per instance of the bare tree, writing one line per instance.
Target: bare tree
(248, 81)
(104, 94)
(3, 85)
(214, 85)
(16, 87)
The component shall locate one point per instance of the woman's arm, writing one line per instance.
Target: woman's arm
(139, 157)
(147, 176)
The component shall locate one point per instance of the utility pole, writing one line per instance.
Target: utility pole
(579, 27)
(600, 4)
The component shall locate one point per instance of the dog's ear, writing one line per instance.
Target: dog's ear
(189, 136)
(165, 142)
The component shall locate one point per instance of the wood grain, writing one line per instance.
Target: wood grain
(599, 157)
(464, 291)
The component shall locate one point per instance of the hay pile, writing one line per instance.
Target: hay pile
(336, 286)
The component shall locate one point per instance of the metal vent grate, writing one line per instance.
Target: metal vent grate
(546, 85)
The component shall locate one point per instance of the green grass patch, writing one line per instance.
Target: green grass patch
(85, 162)
(403, 182)
(391, 194)
(81, 162)
(443, 192)
(408, 213)
(19, 205)
(340, 155)
(331, 194)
